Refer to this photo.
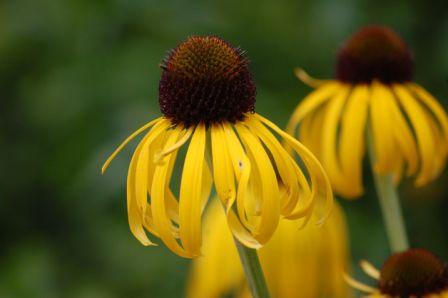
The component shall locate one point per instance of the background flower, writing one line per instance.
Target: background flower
(373, 95)
(310, 261)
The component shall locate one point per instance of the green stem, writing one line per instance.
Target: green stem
(390, 205)
(253, 271)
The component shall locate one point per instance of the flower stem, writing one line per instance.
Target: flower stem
(253, 271)
(390, 205)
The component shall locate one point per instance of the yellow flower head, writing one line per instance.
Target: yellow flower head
(413, 273)
(373, 88)
(306, 263)
(207, 98)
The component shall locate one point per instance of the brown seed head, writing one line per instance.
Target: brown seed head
(374, 52)
(206, 80)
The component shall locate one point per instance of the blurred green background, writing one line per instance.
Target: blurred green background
(78, 76)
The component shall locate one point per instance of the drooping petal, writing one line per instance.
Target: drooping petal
(310, 129)
(190, 205)
(311, 102)
(320, 184)
(222, 167)
(382, 129)
(352, 138)
(403, 136)
(329, 134)
(172, 203)
(242, 170)
(145, 165)
(422, 130)
(136, 216)
(434, 106)
(125, 142)
(160, 183)
(262, 167)
(439, 119)
(284, 165)
(439, 158)
(302, 75)
(207, 183)
(240, 225)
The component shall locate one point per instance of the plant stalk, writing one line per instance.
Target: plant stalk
(390, 204)
(252, 270)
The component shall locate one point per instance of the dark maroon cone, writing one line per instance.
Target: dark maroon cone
(374, 52)
(206, 80)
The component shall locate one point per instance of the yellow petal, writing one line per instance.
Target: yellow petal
(144, 167)
(439, 158)
(434, 107)
(422, 129)
(240, 232)
(207, 182)
(159, 186)
(310, 103)
(438, 116)
(310, 130)
(262, 167)
(320, 184)
(284, 165)
(329, 148)
(382, 129)
(222, 167)
(291, 260)
(305, 134)
(190, 205)
(136, 215)
(242, 169)
(307, 79)
(220, 256)
(403, 136)
(352, 139)
(130, 138)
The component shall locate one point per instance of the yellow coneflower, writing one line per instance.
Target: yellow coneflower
(373, 88)
(411, 274)
(207, 97)
(298, 263)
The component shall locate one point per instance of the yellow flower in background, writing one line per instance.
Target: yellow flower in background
(207, 98)
(373, 88)
(414, 273)
(308, 263)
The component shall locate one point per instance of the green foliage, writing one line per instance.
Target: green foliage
(76, 77)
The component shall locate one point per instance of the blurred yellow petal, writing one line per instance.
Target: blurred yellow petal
(302, 75)
(218, 271)
(370, 270)
(352, 139)
(329, 133)
(310, 129)
(404, 137)
(190, 205)
(382, 129)
(426, 143)
(434, 106)
(311, 102)
(291, 260)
